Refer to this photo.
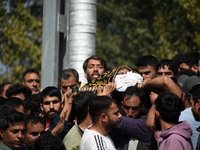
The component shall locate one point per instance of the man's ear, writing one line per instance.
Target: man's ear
(85, 75)
(1, 133)
(194, 68)
(79, 84)
(22, 83)
(104, 117)
(41, 107)
(198, 104)
(157, 115)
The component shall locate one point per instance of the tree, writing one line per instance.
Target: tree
(128, 29)
(20, 41)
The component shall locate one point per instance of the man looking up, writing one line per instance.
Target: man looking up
(68, 79)
(105, 116)
(93, 67)
(31, 78)
(147, 66)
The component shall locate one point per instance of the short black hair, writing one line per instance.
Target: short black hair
(32, 104)
(35, 119)
(51, 91)
(169, 106)
(195, 93)
(9, 115)
(30, 70)
(165, 62)
(65, 74)
(17, 89)
(14, 102)
(147, 60)
(99, 105)
(80, 105)
(48, 142)
(102, 61)
(134, 90)
(190, 58)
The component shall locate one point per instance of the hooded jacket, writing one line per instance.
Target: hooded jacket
(177, 137)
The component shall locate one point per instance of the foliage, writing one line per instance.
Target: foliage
(128, 29)
(21, 32)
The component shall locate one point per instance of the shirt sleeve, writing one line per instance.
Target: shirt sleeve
(136, 128)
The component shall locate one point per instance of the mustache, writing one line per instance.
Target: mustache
(52, 111)
(95, 73)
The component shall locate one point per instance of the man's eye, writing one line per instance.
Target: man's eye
(46, 103)
(29, 81)
(168, 73)
(34, 133)
(147, 73)
(38, 81)
(55, 102)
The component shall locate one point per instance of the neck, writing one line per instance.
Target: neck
(102, 130)
(165, 125)
(86, 123)
(187, 104)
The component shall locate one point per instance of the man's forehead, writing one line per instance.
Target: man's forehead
(50, 98)
(146, 68)
(16, 125)
(70, 79)
(132, 100)
(31, 75)
(94, 61)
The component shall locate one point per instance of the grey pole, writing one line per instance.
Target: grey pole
(50, 45)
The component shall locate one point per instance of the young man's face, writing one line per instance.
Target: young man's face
(50, 106)
(165, 72)
(196, 109)
(33, 132)
(113, 116)
(147, 72)
(13, 136)
(94, 69)
(66, 85)
(32, 80)
(132, 106)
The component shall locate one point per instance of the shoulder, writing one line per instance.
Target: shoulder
(73, 138)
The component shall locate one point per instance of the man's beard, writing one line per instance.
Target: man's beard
(112, 125)
(50, 116)
(196, 115)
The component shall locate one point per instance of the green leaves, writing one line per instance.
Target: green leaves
(21, 33)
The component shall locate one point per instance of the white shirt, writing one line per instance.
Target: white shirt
(93, 140)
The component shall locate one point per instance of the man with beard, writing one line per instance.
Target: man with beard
(31, 78)
(135, 134)
(93, 67)
(51, 107)
(105, 116)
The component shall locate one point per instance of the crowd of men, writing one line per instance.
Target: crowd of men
(161, 112)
